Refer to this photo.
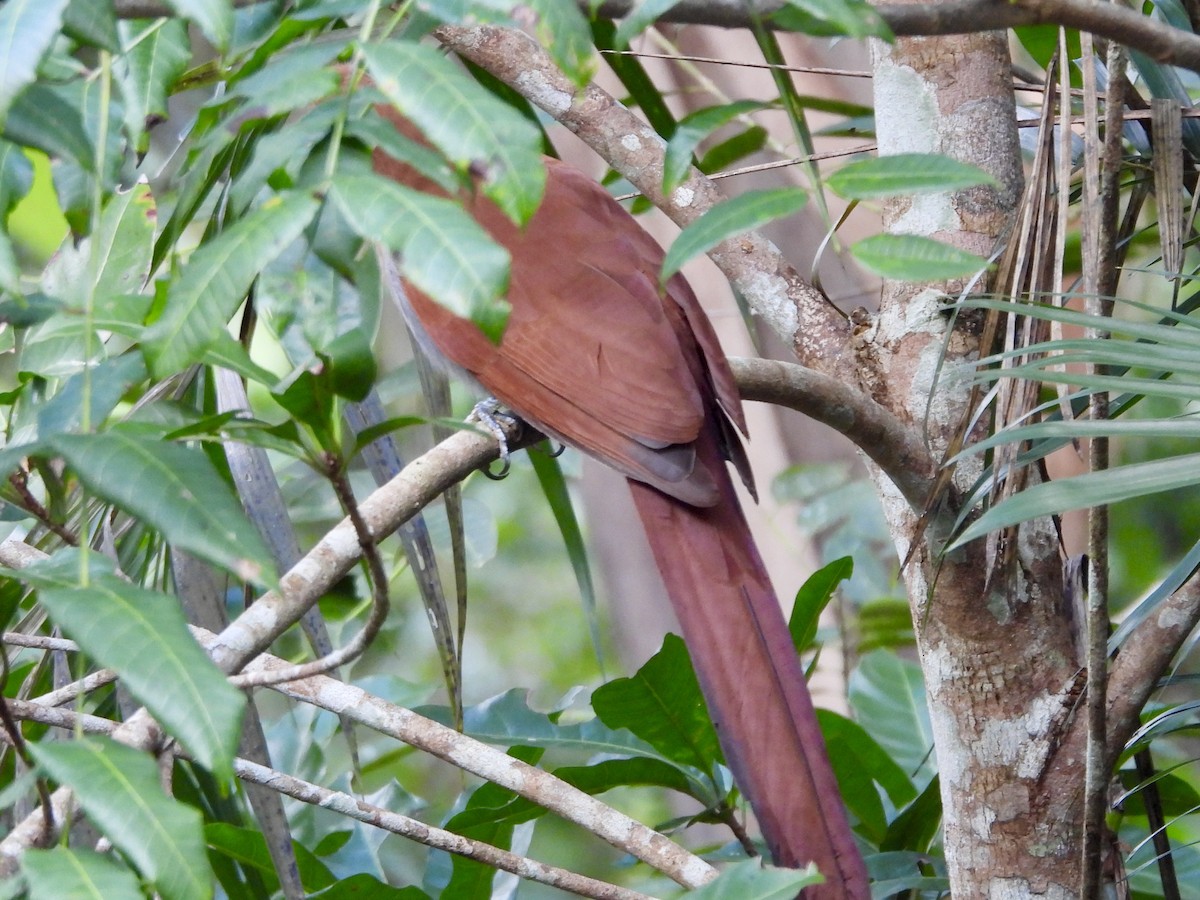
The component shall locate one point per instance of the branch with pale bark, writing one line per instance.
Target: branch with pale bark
(1098, 17)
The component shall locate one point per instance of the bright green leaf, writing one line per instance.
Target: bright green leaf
(120, 790)
(78, 874)
(92, 23)
(662, 704)
(215, 280)
(27, 29)
(910, 257)
(464, 121)
(831, 18)
(903, 174)
(143, 636)
(812, 598)
(862, 767)
(730, 218)
(173, 489)
(40, 118)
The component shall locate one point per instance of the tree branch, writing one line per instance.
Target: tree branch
(1144, 656)
(891, 444)
(355, 808)
(1099, 17)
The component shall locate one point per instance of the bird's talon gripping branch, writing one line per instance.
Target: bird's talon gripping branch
(489, 413)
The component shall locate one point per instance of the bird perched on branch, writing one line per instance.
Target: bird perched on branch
(597, 357)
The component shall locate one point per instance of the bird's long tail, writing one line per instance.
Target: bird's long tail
(752, 679)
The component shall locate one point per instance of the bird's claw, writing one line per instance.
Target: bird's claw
(489, 414)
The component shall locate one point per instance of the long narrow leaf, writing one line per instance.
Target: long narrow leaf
(174, 490)
(119, 789)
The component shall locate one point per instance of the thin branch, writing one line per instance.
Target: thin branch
(368, 813)
(470, 755)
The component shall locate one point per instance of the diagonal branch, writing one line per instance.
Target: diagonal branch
(1144, 657)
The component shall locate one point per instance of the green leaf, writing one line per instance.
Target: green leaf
(861, 767)
(1083, 491)
(465, 122)
(214, 17)
(144, 637)
(662, 704)
(729, 218)
(694, 128)
(830, 18)
(641, 17)
(752, 879)
(92, 23)
(173, 489)
(554, 487)
(158, 54)
(910, 257)
(78, 874)
(917, 824)
(812, 598)
(120, 790)
(249, 848)
(903, 174)
(27, 29)
(40, 118)
(215, 280)
(104, 384)
(364, 886)
(887, 697)
(441, 249)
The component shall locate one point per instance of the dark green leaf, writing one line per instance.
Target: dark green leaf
(911, 257)
(663, 706)
(464, 121)
(144, 637)
(730, 218)
(691, 131)
(918, 823)
(902, 174)
(77, 874)
(249, 848)
(173, 489)
(215, 280)
(812, 598)
(724, 154)
(41, 118)
(862, 767)
(27, 29)
(367, 887)
(120, 790)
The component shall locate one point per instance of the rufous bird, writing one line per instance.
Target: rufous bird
(597, 357)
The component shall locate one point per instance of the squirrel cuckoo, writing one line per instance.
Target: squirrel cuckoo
(596, 357)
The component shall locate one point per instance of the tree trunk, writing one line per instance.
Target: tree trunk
(998, 654)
